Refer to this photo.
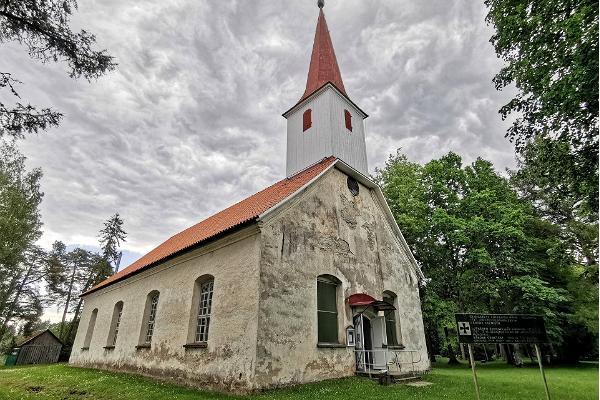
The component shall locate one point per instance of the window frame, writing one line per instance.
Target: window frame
(328, 338)
(204, 312)
(90, 329)
(148, 326)
(200, 313)
(115, 325)
(391, 318)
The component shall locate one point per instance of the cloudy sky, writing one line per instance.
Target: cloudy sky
(190, 122)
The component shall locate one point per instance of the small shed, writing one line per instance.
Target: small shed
(42, 348)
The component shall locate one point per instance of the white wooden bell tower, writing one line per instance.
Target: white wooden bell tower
(325, 122)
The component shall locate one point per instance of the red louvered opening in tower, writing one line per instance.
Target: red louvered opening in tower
(348, 118)
(306, 120)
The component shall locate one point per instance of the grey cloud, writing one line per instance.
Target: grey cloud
(190, 122)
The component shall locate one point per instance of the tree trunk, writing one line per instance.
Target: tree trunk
(14, 302)
(7, 295)
(75, 318)
(88, 283)
(67, 302)
(511, 356)
(451, 356)
(517, 356)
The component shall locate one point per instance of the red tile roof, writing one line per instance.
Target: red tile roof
(244, 211)
(323, 64)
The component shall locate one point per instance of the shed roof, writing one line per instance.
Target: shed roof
(36, 335)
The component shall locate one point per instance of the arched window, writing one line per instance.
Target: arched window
(201, 310)
(90, 330)
(348, 119)
(391, 326)
(327, 309)
(115, 323)
(149, 318)
(306, 120)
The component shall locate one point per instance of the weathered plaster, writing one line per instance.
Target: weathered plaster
(228, 361)
(326, 230)
(263, 330)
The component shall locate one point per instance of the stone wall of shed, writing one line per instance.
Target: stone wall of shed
(326, 230)
(227, 364)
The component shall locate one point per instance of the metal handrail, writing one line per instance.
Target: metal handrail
(367, 359)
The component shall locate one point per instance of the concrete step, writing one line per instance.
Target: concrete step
(386, 379)
(406, 379)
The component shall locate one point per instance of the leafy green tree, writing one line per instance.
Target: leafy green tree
(43, 28)
(551, 178)
(550, 48)
(481, 246)
(20, 226)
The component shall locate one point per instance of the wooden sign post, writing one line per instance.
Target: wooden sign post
(473, 369)
(502, 329)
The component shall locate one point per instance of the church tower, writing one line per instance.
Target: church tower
(325, 122)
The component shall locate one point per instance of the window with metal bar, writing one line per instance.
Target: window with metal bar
(151, 318)
(204, 311)
(115, 324)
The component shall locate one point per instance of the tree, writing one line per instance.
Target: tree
(110, 239)
(20, 226)
(43, 27)
(482, 247)
(68, 274)
(22, 300)
(551, 52)
(562, 190)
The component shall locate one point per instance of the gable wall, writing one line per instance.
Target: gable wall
(327, 231)
(227, 363)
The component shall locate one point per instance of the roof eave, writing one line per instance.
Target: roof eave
(195, 246)
(320, 90)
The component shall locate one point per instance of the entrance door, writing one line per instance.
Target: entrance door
(364, 343)
(377, 340)
(368, 342)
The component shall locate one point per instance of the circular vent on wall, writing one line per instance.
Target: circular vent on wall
(353, 186)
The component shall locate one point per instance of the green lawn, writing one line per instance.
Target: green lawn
(498, 382)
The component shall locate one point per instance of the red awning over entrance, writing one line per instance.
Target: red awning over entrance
(363, 299)
(360, 299)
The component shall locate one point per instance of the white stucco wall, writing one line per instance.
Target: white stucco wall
(228, 361)
(328, 231)
(263, 330)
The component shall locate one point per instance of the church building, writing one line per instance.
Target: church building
(308, 279)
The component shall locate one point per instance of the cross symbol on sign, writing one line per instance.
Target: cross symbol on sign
(464, 328)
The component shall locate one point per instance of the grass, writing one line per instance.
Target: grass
(497, 381)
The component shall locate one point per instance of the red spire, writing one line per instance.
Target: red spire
(323, 64)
